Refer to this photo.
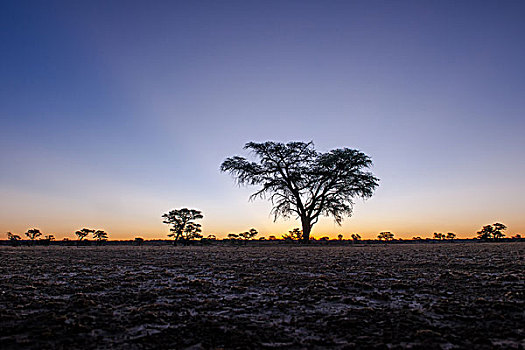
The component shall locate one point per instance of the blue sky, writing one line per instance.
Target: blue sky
(114, 113)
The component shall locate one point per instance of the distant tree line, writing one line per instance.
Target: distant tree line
(184, 229)
(32, 234)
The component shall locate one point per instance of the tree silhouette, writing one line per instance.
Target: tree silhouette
(183, 225)
(340, 237)
(295, 235)
(451, 235)
(33, 233)
(387, 236)
(249, 234)
(355, 236)
(439, 236)
(13, 238)
(494, 231)
(81, 234)
(305, 183)
(139, 241)
(100, 236)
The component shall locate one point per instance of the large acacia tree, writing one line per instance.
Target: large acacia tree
(303, 182)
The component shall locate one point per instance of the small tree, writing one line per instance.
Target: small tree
(33, 234)
(183, 225)
(451, 235)
(13, 238)
(100, 236)
(295, 235)
(355, 237)
(50, 237)
(249, 234)
(81, 234)
(138, 241)
(439, 236)
(387, 236)
(233, 236)
(340, 237)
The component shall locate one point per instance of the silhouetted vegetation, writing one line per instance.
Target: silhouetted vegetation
(33, 233)
(294, 235)
(183, 226)
(386, 236)
(439, 236)
(248, 234)
(83, 233)
(192, 231)
(13, 239)
(492, 232)
(100, 236)
(355, 237)
(305, 183)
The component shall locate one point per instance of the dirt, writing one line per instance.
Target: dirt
(419, 296)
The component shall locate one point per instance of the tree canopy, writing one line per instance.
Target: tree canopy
(387, 236)
(100, 235)
(305, 183)
(182, 224)
(249, 234)
(81, 234)
(33, 233)
(494, 231)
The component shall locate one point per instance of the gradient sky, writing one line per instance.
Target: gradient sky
(113, 113)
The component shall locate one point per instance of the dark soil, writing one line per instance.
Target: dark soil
(419, 296)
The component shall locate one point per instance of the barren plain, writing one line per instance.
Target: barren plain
(427, 296)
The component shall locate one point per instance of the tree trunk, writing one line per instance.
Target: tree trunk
(307, 228)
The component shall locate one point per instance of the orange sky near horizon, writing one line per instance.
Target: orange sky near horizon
(126, 212)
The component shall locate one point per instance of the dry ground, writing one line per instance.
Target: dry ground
(397, 296)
